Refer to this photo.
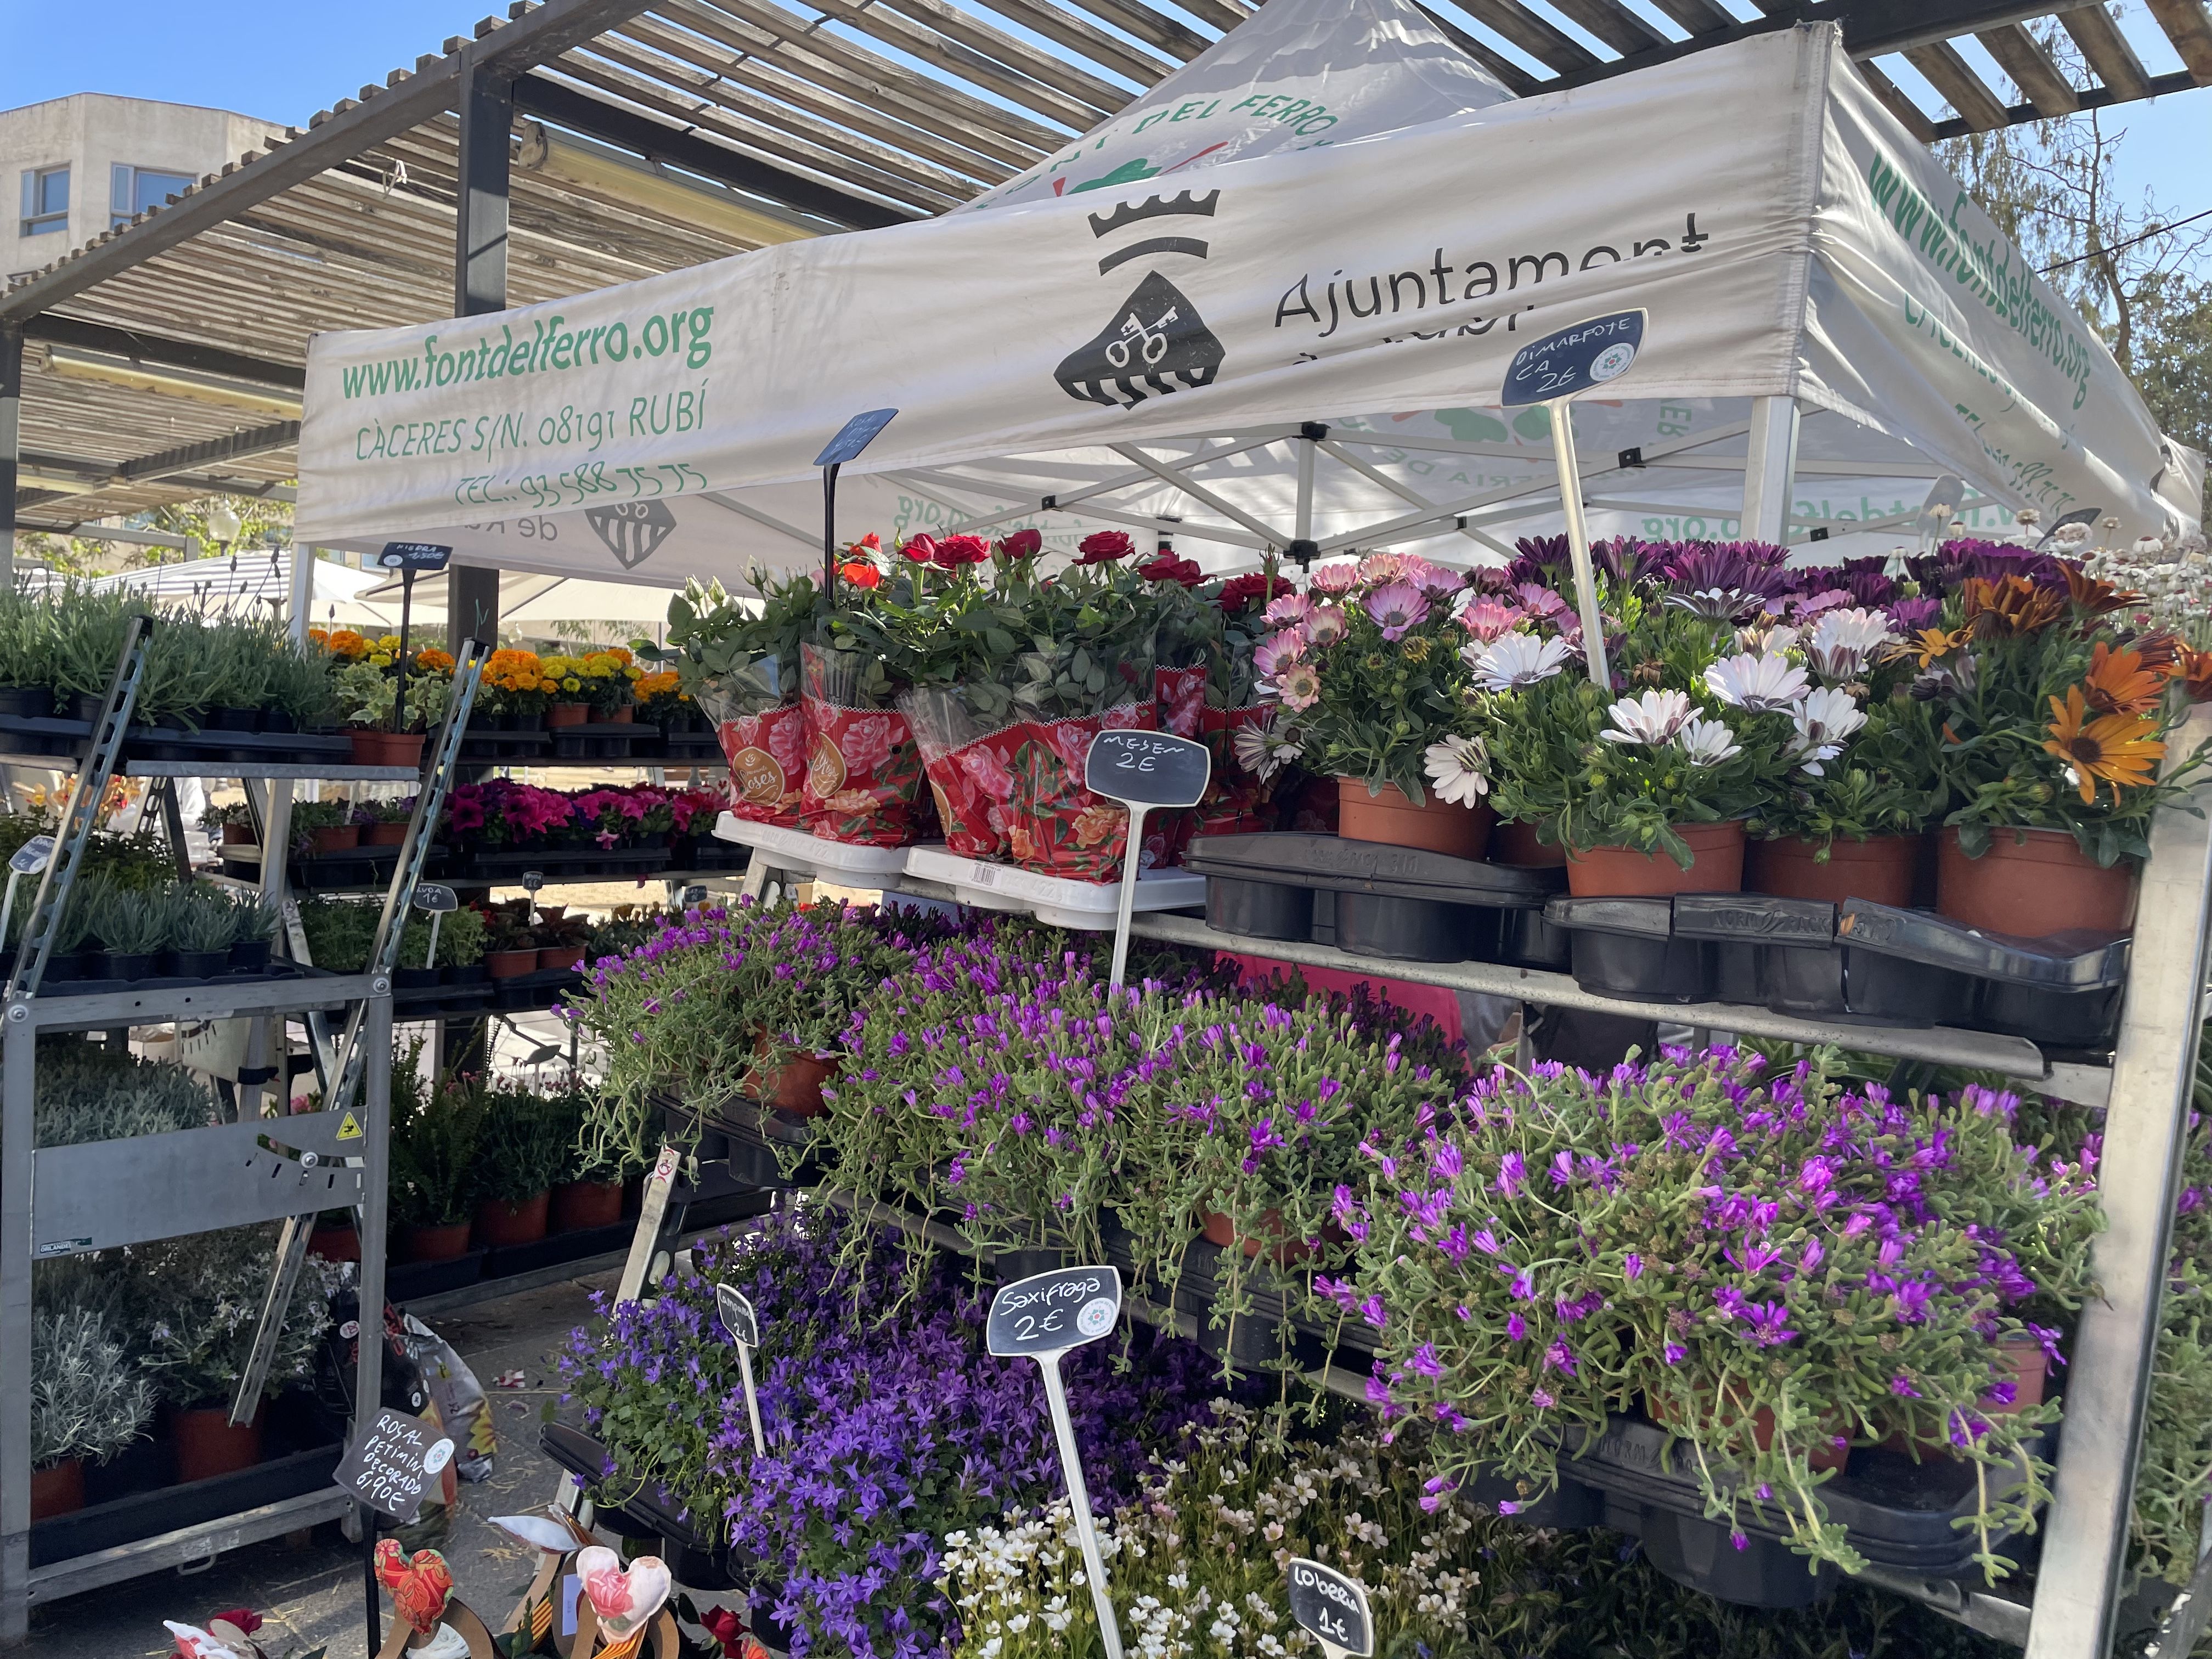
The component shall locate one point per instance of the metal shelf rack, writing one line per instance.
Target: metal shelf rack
(260, 1166)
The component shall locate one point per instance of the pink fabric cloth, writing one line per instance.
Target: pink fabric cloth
(1440, 1005)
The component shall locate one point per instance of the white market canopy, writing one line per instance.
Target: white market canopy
(1154, 350)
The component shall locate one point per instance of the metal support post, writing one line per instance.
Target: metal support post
(480, 240)
(300, 597)
(1770, 469)
(18, 1057)
(2085, 1541)
(11, 438)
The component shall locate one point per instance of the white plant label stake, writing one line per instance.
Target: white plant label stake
(435, 902)
(735, 1310)
(1043, 1317)
(1142, 770)
(1554, 371)
(28, 859)
(1332, 1609)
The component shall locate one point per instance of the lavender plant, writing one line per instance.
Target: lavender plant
(1774, 1266)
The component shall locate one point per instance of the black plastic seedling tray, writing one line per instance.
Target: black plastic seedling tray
(640, 1513)
(55, 735)
(1627, 947)
(598, 741)
(1397, 903)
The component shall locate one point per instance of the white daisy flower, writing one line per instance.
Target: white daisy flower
(1824, 720)
(1653, 718)
(1844, 640)
(1756, 683)
(1513, 660)
(1707, 743)
(1455, 767)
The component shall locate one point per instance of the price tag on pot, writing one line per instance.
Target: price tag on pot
(1572, 360)
(1050, 1313)
(1147, 768)
(414, 555)
(32, 856)
(391, 1465)
(435, 900)
(735, 1310)
(1328, 1605)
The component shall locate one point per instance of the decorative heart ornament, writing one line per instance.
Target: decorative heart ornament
(625, 1601)
(420, 1588)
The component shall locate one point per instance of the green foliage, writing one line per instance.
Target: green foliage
(87, 1398)
(529, 1140)
(339, 931)
(2174, 1479)
(436, 1139)
(460, 939)
(202, 919)
(737, 654)
(127, 922)
(88, 1092)
(200, 1301)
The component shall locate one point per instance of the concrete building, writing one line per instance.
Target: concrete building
(76, 166)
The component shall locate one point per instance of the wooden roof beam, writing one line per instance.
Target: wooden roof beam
(2021, 55)
(1177, 40)
(1531, 34)
(996, 44)
(1613, 23)
(1515, 80)
(534, 33)
(2109, 51)
(1076, 114)
(158, 351)
(1952, 76)
(1055, 22)
(2190, 27)
(1915, 119)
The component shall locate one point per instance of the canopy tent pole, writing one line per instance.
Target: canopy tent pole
(1770, 470)
(300, 595)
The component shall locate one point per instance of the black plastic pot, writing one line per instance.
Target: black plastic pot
(695, 1568)
(198, 964)
(27, 702)
(1626, 947)
(278, 720)
(1011, 1266)
(1527, 939)
(759, 1619)
(86, 705)
(131, 964)
(1413, 929)
(1259, 910)
(234, 720)
(250, 954)
(413, 979)
(467, 973)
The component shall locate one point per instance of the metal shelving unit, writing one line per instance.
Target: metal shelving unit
(260, 1166)
(2145, 1092)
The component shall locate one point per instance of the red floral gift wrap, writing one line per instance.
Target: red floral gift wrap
(1060, 827)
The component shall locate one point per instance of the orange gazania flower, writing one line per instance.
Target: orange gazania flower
(2195, 670)
(1930, 643)
(2119, 683)
(2010, 608)
(2114, 749)
(2093, 598)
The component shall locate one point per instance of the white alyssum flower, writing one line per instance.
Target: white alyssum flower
(1457, 767)
(1756, 683)
(1513, 661)
(1707, 743)
(1824, 720)
(1653, 717)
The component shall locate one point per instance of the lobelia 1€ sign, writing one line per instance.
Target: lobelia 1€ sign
(1142, 770)
(1331, 1608)
(1042, 1317)
(735, 1311)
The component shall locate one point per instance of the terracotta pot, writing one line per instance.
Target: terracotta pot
(558, 956)
(1715, 866)
(57, 1489)
(384, 835)
(2043, 884)
(1826, 1455)
(1515, 843)
(578, 1204)
(2019, 1360)
(511, 964)
(1437, 827)
(622, 716)
(207, 1445)
(567, 713)
(403, 748)
(796, 1087)
(338, 838)
(501, 1222)
(334, 1243)
(1880, 869)
(445, 1243)
(1221, 1229)
(367, 746)
(237, 835)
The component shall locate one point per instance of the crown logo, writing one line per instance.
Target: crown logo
(1157, 207)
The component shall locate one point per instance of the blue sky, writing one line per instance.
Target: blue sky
(284, 59)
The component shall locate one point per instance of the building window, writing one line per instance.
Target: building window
(45, 200)
(137, 188)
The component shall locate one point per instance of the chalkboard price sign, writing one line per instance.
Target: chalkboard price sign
(735, 1310)
(1573, 360)
(1147, 768)
(1050, 1313)
(1331, 1606)
(391, 1465)
(414, 555)
(31, 857)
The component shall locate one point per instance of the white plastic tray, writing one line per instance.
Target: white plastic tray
(794, 849)
(1089, 905)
